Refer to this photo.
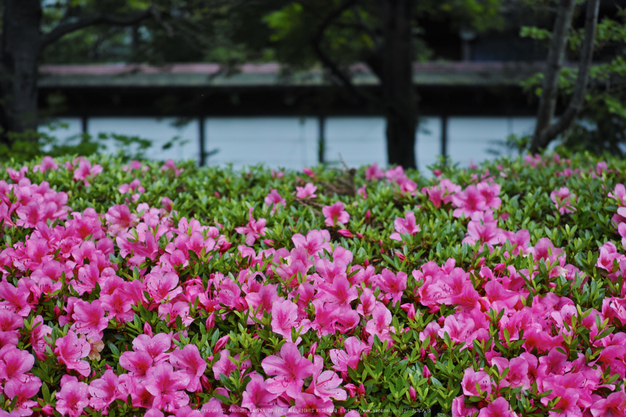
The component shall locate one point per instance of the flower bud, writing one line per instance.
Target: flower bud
(426, 372)
(147, 329)
(221, 342)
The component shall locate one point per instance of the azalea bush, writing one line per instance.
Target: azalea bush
(166, 289)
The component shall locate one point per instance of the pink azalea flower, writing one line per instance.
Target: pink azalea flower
(519, 240)
(89, 319)
(171, 165)
(37, 339)
(490, 194)
(223, 365)
(554, 363)
(613, 405)
(73, 397)
(137, 363)
(254, 229)
(362, 191)
(350, 357)
(104, 391)
(621, 229)
(47, 163)
(290, 369)
(469, 201)
(273, 199)
(22, 392)
(189, 361)
(459, 409)
(314, 243)
(563, 200)
(325, 384)
(277, 174)
(392, 284)
(133, 165)
(373, 171)
(498, 408)
(174, 310)
(285, 318)
(308, 191)
(187, 411)
(263, 299)
(256, 398)
(17, 175)
(15, 363)
(120, 218)
(442, 192)
(471, 378)
(567, 404)
(496, 292)
(406, 226)
(308, 405)
(119, 305)
(155, 346)
(339, 292)
(167, 203)
(459, 328)
(167, 387)
(154, 412)
(518, 371)
(544, 249)
(15, 299)
(336, 214)
(484, 229)
(135, 185)
(608, 253)
(69, 351)
(619, 195)
(85, 172)
(213, 408)
(380, 324)
(162, 286)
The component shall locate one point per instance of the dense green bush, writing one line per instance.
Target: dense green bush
(135, 288)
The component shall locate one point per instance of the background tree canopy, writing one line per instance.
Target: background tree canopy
(385, 35)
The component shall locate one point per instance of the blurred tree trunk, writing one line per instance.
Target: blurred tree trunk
(396, 76)
(556, 55)
(21, 44)
(546, 131)
(392, 62)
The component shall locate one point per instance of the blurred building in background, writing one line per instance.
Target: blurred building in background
(258, 116)
(470, 101)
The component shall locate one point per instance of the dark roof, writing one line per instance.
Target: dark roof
(267, 75)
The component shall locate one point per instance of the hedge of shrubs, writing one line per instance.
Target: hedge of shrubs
(165, 289)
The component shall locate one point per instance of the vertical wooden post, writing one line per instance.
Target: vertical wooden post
(322, 139)
(444, 135)
(84, 124)
(201, 136)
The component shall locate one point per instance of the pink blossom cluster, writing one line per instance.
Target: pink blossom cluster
(393, 175)
(619, 218)
(136, 258)
(24, 204)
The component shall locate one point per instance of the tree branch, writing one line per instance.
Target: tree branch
(556, 55)
(578, 99)
(335, 70)
(103, 18)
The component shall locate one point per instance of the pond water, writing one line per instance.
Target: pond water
(293, 142)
